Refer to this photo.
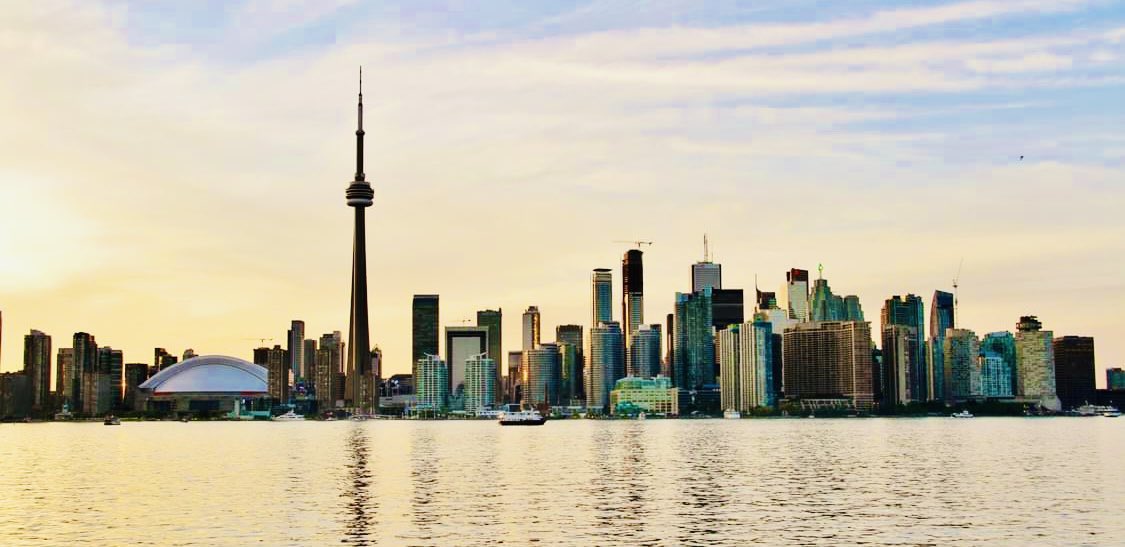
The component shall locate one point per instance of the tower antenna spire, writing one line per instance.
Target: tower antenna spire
(359, 174)
(706, 250)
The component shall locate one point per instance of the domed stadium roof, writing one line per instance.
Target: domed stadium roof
(209, 374)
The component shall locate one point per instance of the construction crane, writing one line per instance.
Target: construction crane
(956, 281)
(261, 341)
(636, 242)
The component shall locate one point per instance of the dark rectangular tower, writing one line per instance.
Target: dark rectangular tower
(359, 196)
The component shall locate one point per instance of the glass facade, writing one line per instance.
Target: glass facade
(644, 352)
(632, 291)
(606, 363)
(1115, 379)
(493, 320)
(995, 374)
(1074, 371)
(424, 334)
(706, 275)
(542, 375)
(601, 285)
(480, 383)
(431, 384)
(650, 395)
(961, 353)
(573, 382)
(796, 291)
(532, 325)
(694, 341)
(941, 318)
(462, 343)
(908, 311)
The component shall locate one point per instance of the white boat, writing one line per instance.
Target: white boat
(642, 416)
(1112, 413)
(289, 417)
(1098, 410)
(962, 414)
(732, 414)
(111, 420)
(523, 417)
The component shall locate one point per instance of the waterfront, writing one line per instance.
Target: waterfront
(1016, 481)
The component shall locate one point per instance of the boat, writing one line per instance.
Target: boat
(962, 414)
(523, 417)
(1113, 413)
(185, 419)
(289, 417)
(111, 420)
(642, 416)
(1097, 410)
(732, 414)
(360, 417)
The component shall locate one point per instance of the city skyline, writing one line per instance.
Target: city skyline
(192, 246)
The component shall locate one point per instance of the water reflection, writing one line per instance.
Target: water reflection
(361, 506)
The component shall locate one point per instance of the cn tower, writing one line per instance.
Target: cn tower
(359, 196)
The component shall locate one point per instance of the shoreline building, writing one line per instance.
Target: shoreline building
(541, 375)
(828, 362)
(329, 385)
(85, 366)
(493, 320)
(908, 311)
(480, 383)
(515, 375)
(295, 338)
(601, 287)
(644, 352)
(573, 366)
(462, 343)
(746, 366)
(649, 395)
(1115, 379)
(135, 375)
(37, 367)
(532, 325)
(694, 341)
(1075, 383)
(277, 367)
(606, 364)
(64, 371)
(941, 320)
(431, 385)
(632, 293)
(898, 365)
(363, 395)
(961, 357)
(206, 383)
(1035, 364)
(998, 365)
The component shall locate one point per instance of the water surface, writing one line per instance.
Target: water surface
(1016, 481)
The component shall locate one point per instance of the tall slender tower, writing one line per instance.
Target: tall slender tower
(359, 196)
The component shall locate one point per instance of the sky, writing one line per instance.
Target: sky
(172, 174)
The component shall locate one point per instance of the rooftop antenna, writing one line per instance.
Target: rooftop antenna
(956, 281)
(820, 270)
(706, 250)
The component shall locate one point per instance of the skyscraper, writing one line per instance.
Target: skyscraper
(829, 360)
(823, 305)
(431, 385)
(542, 372)
(796, 290)
(515, 376)
(359, 196)
(1035, 364)
(461, 343)
(277, 369)
(425, 332)
(1074, 370)
(706, 273)
(998, 355)
(632, 292)
(296, 348)
(644, 352)
(480, 383)
(961, 355)
(531, 327)
(694, 342)
(746, 364)
(907, 311)
(493, 320)
(899, 366)
(329, 370)
(606, 363)
(572, 379)
(727, 308)
(135, 375)
(601, 285)
(37, 368)
(853, 311)
(570, 384)
(941, 318)
(64, 372)
(308, 368)
(85, 362)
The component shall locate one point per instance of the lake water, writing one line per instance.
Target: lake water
(1015, 481)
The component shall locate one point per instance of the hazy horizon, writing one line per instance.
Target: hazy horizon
(174, 175)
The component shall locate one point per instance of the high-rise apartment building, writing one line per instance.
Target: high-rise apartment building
(532, 324)
(296, 348)
(329, 371)
(694, 341)
(493, 320)
(908, 311)
(135, 375)
(601, 286)
(961, 356)
(829, 360)
(1035, 364)
(431, 385)
(796, 291)
(37, 368)
(998, 356)
(85, 363)
(573, 382)
(425, 331)
(64, 373)
(461, 343)
(1074, 371)
(278, 370)
(606, 363)
(480, 383)
(542, 374)
(898, 366)
(308, 367)
(515, 376)
(570, 384)
(941, 319)
(644, 352)
(632, 292)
